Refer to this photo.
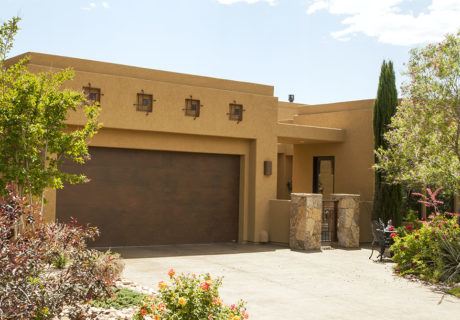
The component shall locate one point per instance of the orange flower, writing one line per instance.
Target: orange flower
(143, 311)
(161, 307)
(217, 301)
(171, 273)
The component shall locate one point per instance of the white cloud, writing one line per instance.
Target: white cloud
(94, 5)
(388, 22)
(229, 2)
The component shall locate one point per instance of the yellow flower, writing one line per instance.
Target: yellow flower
(162, 285)
(182, 301)
(236, 318)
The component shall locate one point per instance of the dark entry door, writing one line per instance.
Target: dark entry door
(139, 197)
(323, 175)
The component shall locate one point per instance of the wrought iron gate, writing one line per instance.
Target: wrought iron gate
(329, 221)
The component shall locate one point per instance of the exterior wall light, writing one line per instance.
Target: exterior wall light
(267, 168)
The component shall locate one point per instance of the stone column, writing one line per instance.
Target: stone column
(347, 219)
(305, 221)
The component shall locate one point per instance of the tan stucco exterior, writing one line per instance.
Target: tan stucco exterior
(354, 156)
(287, 134)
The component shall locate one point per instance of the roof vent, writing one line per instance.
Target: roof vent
(291, 98)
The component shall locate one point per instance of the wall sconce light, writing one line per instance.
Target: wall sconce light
(267, 168)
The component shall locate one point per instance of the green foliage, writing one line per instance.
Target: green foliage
(411, 216)
(387, 197)
(121, 298)
(454, 291)
(424, 137)
(450, 256)
(426, 252)
(59, 260)
(190, 297)
(34, 138)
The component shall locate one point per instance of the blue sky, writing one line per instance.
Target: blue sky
(320, 50)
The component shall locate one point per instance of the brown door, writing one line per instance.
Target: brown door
(139, 197)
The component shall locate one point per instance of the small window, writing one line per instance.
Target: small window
(236, 112)
(93, 95)
(192, 108)
(144, 102)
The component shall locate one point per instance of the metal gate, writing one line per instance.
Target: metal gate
(329, 221)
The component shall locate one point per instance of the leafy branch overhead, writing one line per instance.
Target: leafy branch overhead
(34, 137)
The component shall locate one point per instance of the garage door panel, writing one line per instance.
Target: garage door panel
(139, 197)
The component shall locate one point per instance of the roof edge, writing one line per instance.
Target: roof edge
(79, 64)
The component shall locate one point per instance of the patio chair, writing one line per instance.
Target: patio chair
(378, 235)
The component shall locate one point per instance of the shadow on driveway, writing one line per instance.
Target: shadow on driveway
(193, 250)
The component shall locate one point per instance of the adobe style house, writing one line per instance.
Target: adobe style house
(191, 159)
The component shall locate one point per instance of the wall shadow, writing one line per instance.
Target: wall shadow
(160, 251)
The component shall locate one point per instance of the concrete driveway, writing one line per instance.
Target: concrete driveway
(279, 283)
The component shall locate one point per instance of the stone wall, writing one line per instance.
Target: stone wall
(305, 221)
(347, 219)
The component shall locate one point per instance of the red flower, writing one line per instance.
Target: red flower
(409, 227)
(391, 228)
(204, 286)
(393, 235)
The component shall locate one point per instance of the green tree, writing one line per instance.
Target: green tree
(387, 197)
(34, 138)
(423, 140)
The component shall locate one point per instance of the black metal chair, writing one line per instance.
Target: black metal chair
(379, 238)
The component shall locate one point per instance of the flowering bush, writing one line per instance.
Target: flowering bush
(431, 252)
(190, 297)
(31, 287)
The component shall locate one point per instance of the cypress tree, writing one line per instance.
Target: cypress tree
(387, 197)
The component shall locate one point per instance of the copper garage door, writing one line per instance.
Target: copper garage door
(139, 197)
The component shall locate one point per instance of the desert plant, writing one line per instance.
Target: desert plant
(423, 252)
(190, 297)
(450, 258)
(31, 287)
(121, 298)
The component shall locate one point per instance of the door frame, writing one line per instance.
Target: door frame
(316, 168)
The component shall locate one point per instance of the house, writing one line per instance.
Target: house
(190, 159)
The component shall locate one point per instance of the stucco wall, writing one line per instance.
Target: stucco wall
(353, 158)
(167, 128)
(279, 221)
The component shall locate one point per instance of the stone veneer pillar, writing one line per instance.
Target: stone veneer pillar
(347, 219)
(305, 221)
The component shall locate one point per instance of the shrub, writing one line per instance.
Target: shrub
(121, 298)
(190, 297)
(454, 291)
(31, 287)
(429, 252)
(450, 258)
